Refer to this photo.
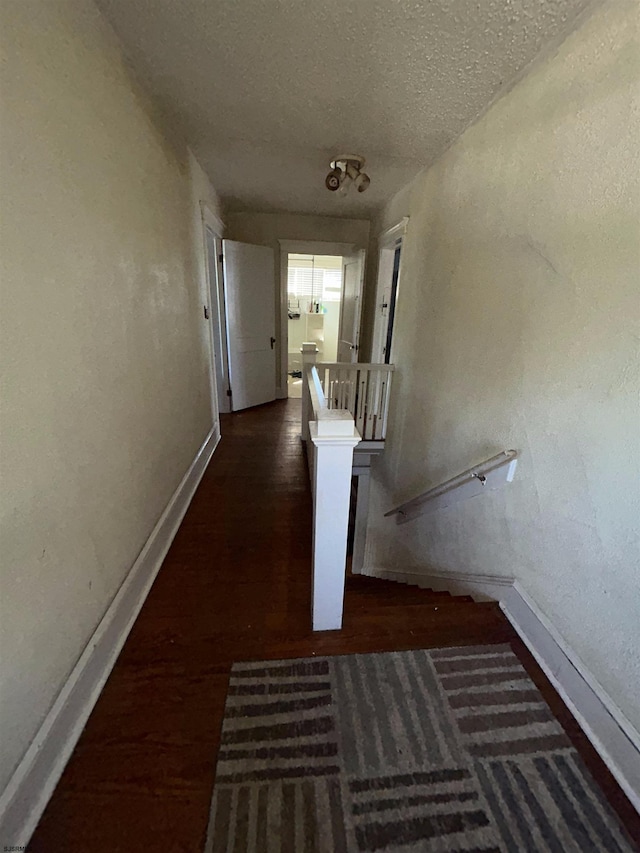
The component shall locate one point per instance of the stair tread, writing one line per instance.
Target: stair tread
(461, 612)
(358, 601)
(409, 606)
(372, 589)
(386, 591)
(402, 599)
(375, 586)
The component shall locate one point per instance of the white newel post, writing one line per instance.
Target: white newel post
(334, 439)
(309, 355)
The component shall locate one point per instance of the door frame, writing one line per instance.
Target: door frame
(298, 247)
(388, 242)
(356, 331)
(217, 320)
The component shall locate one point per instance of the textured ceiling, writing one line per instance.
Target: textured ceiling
(267, 91)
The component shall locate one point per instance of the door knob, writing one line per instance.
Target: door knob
(273, 340)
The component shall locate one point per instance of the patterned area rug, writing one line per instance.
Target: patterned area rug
(440, 750)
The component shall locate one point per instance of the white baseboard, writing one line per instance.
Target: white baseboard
(25, 797)
(481, 587)
(612, 735)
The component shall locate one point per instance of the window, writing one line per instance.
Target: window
(313, 278)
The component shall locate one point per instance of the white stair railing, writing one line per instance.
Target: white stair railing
(363, 390)
(333, 436)
(342, 404)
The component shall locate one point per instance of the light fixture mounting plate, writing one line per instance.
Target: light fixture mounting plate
(354, 159)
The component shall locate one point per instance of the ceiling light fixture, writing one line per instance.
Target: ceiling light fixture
(346, 169)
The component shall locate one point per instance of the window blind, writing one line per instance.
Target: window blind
(311, 279)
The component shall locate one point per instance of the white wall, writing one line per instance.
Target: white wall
(266, 229)
(517, 327)
(105, 389)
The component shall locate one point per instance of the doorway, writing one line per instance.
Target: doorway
(240, 308)
(314, 298)
(390, 305)
(389, 274)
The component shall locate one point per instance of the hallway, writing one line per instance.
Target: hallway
(236, 586)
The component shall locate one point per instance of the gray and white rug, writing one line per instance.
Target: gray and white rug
(440, 750)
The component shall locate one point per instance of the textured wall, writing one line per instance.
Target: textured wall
(105, 390)
(517, 327)
(266, 229)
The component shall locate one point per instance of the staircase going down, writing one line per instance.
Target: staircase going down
(452, 619)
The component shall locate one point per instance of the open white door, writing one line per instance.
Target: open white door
(249, 286)
(351, 309)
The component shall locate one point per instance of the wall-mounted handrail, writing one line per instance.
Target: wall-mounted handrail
(487, 475)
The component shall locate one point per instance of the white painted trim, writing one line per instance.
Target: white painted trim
(212, 220)
(612, 735)
(391, 235)
(388, 242)
(218, 358)
(32, 784)
(316, 247)
(610, 732)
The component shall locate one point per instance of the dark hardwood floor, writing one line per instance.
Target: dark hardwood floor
(236, 586)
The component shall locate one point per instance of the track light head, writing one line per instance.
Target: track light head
(362, 182)
(333, 180)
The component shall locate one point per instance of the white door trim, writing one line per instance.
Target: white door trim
(388, 238)
(215, 304)
(212, 220)
(317, 247)
(387, 244)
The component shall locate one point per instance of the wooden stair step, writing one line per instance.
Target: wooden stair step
(382, 592)
(409, 596)
(357, 601)
(460, 615)
(374, 585)
(413, 607)
(405, 594)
